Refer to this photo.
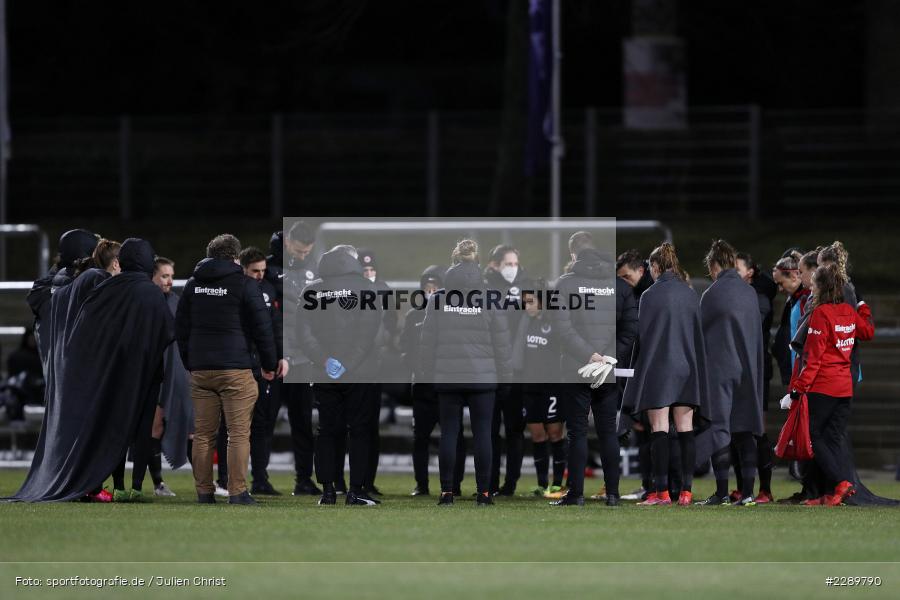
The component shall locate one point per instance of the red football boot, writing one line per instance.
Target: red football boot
(735, 495)
(842, 491)
(657, 499)
(815, 501)
(101, 496)
(764, 497)
(685, 499)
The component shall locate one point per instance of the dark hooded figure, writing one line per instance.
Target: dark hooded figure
(426, 413)
(104, 381)
(670, 372)
(732, 331)
(338, 334)
(74, 245)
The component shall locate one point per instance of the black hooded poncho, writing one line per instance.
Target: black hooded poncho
(732, 332)
(73, 245)
(107, 364)
(670, 358)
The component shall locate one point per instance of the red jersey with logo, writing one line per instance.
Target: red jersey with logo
(833, 331)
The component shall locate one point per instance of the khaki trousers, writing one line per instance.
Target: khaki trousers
(232, 392)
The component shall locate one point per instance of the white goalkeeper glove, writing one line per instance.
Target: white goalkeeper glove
(598, 371)
(786, 402)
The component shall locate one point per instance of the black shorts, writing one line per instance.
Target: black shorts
(542, 408)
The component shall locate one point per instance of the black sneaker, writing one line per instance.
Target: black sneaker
(484, 500)
(209, 498)
(612, 499)
(306, 487)
(457, 492)
(506, 490)
(445, 499)
(243, 498)
(371, 490)
(569, 500)
(263, 488)
(420, 491)
(360, 499)
(746, 501)
(715, 501)
(328, 498)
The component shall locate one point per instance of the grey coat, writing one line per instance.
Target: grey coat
(732, 332)
(175, 399)
(670, 361)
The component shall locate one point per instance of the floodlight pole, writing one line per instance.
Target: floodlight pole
(557, 149)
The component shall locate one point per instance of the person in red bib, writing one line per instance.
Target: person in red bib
(823, 374)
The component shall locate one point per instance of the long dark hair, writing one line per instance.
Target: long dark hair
(829, 283)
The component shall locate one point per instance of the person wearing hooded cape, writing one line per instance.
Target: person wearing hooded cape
(74, 245)
(103, 379)
(670, 372)
(732, 331)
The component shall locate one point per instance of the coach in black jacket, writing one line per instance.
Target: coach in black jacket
(337, 332)
(221, 317)
(299, 269)
(600, 328)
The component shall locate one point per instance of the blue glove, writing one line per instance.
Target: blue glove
(334, 369)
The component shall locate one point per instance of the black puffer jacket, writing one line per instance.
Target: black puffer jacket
(468, 348)
(347, 335)
(222, 318)
(608, 328)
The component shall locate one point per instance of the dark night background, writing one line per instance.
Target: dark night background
(99, 58)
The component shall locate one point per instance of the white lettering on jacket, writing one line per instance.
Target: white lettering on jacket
(208, 291)
(607, 291)
(334, 294)
(845, 328)
(463, 310)
(845, 344)
(812, 331)
(533, 341)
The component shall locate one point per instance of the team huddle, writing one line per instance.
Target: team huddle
(132, 368)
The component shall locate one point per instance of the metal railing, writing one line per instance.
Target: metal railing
(444, 163)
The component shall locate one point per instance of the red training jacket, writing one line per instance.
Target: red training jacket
(833, 330)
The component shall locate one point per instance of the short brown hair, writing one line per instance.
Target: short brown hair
(631, 259)
(161, 261)
(250, 255)
(224, 246)
(579, 241)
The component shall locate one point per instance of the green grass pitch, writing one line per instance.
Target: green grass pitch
(410, 548)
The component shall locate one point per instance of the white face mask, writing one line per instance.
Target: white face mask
(372, 278)
(509, 273)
